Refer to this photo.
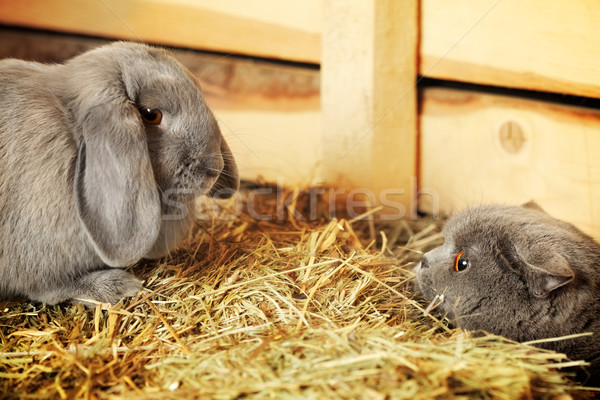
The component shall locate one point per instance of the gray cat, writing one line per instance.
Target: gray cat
(519, 273)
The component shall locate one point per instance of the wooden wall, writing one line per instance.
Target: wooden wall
(474, 146)
(481, 148)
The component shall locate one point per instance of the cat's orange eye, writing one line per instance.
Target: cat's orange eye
(151, 116)
(461, 262)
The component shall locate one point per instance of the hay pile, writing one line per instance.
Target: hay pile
(270, 309)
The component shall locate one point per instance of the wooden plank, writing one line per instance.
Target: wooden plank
(480, 148)
(284, 29)
(274, 146)
(368, 95)
(539, 45)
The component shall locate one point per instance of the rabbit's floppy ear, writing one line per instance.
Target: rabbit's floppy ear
(116, 195)
(228, 181)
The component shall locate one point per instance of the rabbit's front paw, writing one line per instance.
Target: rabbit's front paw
(106, 286)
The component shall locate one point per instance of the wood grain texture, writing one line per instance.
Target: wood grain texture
(539, 45)
(481, 148)
(284, 29)
(368, 95)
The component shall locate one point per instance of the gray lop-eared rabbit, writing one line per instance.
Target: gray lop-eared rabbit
(101, 159)
(519, 273)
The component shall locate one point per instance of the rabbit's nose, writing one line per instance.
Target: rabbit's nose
(212, 172)
(424, 262)
(213, 167)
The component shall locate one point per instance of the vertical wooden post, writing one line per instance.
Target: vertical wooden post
(369, 98)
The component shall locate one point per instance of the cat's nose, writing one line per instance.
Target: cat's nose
(424, 262)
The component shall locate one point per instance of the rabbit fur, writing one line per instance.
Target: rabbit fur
(524, 275)
(86, 185)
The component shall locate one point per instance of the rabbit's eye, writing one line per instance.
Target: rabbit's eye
(151, 116)
(461, 262)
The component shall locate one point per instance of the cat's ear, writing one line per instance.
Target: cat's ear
(545, 270)
(532, 205)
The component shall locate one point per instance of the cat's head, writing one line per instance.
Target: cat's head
(507, 270)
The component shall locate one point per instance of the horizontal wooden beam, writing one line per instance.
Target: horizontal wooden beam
(537, 45)
(283, 29)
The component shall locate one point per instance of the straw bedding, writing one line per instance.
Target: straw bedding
(276, 307)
